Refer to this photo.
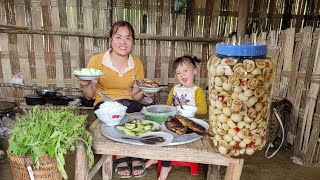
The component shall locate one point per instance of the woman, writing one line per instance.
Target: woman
(120, 70)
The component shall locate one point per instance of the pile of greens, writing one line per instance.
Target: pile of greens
(52, 132)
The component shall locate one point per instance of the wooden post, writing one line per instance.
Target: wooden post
(213, 172)
(81, 163)
(107, 167)
(242, 17)
(234, 171)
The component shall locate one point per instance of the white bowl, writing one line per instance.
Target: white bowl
(187, 111)
(111, 119)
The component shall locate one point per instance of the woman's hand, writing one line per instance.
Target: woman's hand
(89, 88)
(148, 94)
(85, 82)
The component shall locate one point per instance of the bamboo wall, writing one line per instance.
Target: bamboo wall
(297, 78)
(47, 40)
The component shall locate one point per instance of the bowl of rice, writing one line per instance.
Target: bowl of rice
(111, 112)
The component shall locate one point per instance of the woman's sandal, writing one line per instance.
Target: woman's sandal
(137, 168)
(122, 168)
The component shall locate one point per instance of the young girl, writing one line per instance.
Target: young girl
(188, 94)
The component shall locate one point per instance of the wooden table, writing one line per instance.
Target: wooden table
(199, 151)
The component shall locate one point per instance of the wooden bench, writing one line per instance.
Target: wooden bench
(199, 151)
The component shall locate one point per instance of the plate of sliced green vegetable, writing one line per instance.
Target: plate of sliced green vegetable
(137, 127)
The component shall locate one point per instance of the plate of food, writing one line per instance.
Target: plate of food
(149, 86)
(137, 127)
(87, 73)
(185, 130)
(150, 90)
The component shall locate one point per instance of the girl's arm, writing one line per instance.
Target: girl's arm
(201, 101)
(170, 95)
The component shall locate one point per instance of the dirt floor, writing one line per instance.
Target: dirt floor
(257, 167)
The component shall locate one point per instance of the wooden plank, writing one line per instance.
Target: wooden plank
(48, 40)
(107, 168)
(295, 68)
(287, 62)
(234, 171)
(215, 18)
(307, 119)
(316, 66)
(242, 18)
(295, 92)
(311, 147)
(308, 60)
(99, 164)
(81, 162)
(41, 78)
(12, 38)
(5, 62)
(213, 172)
(158, 28)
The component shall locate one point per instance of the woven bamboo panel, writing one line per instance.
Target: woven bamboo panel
(47, 40)
(297, 79)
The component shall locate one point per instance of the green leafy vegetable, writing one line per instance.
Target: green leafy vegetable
(54, 132)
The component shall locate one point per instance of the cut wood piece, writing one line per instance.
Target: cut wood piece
(308, 116)
(81, 162)
(311, 152)
(234, 171)
(213, 172)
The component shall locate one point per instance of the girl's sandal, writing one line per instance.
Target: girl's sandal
(139, 167)
(122, 168)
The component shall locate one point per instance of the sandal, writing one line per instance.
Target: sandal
(122, 168)
(139, 167)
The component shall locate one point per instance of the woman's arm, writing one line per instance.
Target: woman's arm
(89, 88)
(137, 94)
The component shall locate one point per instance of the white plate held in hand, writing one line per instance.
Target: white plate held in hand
(150, 90)
(87, 77)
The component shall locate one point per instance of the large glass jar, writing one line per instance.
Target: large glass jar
(240, 79)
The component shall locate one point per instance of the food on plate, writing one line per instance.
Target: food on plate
(137, 127)
(88, 72)
(175, 126)
(195, 127)
(147, 83)
(182, 125)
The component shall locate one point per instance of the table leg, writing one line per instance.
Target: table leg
(81, 162)
(213, 172)
(107, 169)
(234, 171)
(95, 169)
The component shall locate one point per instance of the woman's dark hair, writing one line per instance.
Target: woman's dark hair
(118, 24)
(182, 59)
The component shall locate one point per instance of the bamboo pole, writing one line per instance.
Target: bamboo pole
(242, 18)
(103, 36)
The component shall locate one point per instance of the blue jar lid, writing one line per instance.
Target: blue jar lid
(241, 49)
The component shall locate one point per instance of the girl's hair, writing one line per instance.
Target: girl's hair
(182, 59)
(118, 24)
